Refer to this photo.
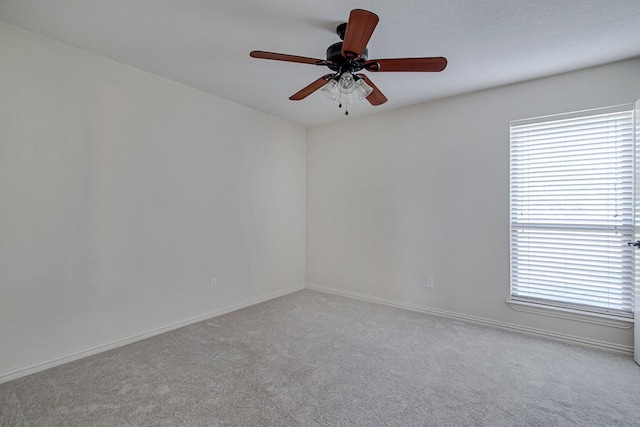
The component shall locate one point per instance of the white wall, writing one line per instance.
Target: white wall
(424, 191)
(122, 194)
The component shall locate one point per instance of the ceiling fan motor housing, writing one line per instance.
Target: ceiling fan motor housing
(338, 62)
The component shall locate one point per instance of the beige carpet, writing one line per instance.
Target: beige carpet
(311, 359)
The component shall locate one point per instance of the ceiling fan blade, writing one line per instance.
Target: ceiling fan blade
(288, 58)
(359, 29)
(309, 89)
(434, 64)
(376, 97)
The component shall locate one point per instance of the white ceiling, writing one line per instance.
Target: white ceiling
(206, 43)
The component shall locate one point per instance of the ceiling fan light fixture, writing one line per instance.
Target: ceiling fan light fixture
(363, 89)
(330, 90)
(348, 98)
(347, 83)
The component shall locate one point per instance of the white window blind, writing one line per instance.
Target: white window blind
(572, 210)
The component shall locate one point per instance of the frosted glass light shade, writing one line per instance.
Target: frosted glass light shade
(347, 83)
(363, 89)
(347, 98)
(330, 89)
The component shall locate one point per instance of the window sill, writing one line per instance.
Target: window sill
(566, 313)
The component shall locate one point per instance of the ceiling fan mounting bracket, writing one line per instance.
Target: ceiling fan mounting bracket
(341, 30)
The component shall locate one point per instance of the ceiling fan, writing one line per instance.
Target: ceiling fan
(350, 56)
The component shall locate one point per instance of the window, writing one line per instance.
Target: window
(572, 211)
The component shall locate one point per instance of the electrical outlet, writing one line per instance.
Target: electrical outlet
(214, 283)
(429, 283)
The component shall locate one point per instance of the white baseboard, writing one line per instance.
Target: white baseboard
(601, 345)
(22, 371)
